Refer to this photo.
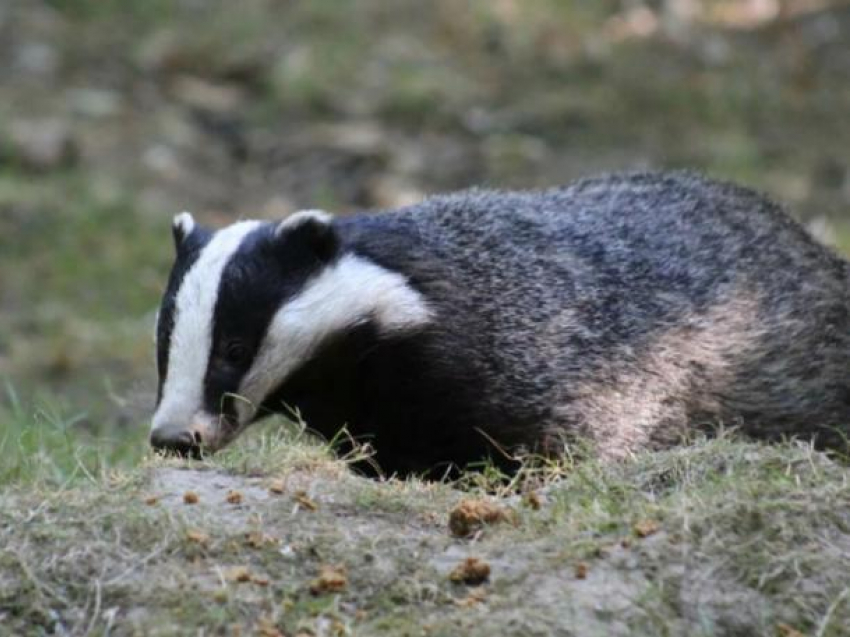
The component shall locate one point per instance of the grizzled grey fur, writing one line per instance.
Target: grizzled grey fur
(627, 311)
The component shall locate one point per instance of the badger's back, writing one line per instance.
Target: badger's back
(625, 308)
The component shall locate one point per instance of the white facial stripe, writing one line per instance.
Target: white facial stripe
(191, 338)
(345, 294)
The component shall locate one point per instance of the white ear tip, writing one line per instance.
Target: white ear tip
(183, 222)
(297, 218)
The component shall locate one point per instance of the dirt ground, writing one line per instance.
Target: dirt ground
(719, 538)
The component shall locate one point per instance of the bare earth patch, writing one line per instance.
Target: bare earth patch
(716, 539)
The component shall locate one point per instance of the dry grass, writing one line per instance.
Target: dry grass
(744, 539)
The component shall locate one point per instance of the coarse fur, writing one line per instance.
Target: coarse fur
(626, 311)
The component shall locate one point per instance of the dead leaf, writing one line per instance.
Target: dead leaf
(234, 497)
(277, 487)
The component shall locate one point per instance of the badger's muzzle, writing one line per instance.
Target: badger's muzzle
(178, 440)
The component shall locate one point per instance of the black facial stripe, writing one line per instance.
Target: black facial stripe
(258, 279)
(187, 255)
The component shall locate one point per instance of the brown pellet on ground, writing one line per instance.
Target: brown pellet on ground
(471, 515)
(471, 571)
(645, 528)
(198, 537)
(331, 579)
(581, 570)
(239, 574)
(277, 487)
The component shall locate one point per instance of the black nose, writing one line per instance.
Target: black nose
(176, 440)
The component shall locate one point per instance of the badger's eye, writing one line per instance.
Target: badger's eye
(235, 352)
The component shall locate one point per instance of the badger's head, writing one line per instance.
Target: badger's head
(245, 307)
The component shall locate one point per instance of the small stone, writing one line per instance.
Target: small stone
(43, 145)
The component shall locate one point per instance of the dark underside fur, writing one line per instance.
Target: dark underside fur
(626, 310)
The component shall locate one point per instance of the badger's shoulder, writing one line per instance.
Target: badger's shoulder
(606, 240)
(662, 208)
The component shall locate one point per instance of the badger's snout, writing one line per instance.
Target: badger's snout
(178, 440)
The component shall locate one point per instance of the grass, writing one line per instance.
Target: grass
(46, 445)
(720, 537)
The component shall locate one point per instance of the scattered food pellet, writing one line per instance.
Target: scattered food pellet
(471, 571)
(234, 497)
(645, 528)
(581, 570)
(199, 537)
(190, 497)
(470, 515)
(151, 500)
(277, 487)
(532, 500)
(260, 580)
(304, 500)
(239, 574)
(475, 596)
(331, 579)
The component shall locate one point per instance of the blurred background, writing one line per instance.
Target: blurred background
(116, 114)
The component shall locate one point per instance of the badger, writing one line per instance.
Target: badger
(625, 312)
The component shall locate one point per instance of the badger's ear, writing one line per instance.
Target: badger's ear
(313, 228)
(181, 227)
